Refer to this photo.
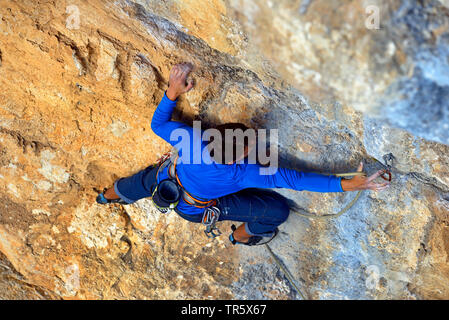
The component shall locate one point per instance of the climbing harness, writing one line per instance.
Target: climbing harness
(166, 161)
(166, 195)
(211, 212)
(187, 197)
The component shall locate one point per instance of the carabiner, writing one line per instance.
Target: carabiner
(388, 159)
(386, 178)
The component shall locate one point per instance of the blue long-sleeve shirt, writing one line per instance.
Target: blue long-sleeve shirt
(205, 178)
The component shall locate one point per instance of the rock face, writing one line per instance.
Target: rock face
(386, 58)
(80, 82)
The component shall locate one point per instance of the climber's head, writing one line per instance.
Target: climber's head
(231, 142)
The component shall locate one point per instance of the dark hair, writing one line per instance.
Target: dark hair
(219, 149)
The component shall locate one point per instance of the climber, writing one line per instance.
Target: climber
(215, 189)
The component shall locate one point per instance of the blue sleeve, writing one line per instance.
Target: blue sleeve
(255, 176)
(162, 125)
(187, 140)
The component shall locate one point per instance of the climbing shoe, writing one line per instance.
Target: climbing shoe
(254, 240)
(102, 200)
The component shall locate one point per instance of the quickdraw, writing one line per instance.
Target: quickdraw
(388, 159)
(210, 218)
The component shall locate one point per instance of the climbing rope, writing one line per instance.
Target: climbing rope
(387, 171)
(281, 266)
(342, 211)
(388, 159)
(285, 271)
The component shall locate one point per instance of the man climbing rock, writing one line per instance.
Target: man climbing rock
(217, 187)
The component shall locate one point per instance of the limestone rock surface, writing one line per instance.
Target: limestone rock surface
(79, 84)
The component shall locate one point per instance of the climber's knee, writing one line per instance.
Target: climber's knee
(285, 212)
(282, 210)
